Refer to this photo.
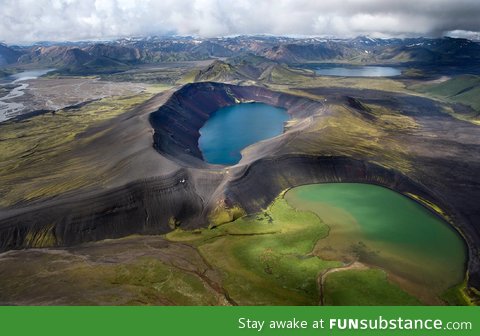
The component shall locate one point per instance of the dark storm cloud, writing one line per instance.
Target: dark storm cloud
(34, 20)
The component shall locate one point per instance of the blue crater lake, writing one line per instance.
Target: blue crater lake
(232, 128)
(357, 71)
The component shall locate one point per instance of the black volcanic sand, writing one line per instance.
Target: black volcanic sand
(406, 143)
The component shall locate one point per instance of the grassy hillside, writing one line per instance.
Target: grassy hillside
(364, 288)
(463, 89)
(27, 154)
(268, 259)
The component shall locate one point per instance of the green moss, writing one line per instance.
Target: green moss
(413, 73)
(460, 295)
(35, 154)
(364, 288)
(84, 278)
(347, 133)
(173, 223)
(392, 120)
(189, 77)
(194, 237)
(42, 238)
(156, 281)
(430, 205)
(286, 82)
(265, 258)
(464, 89)
(222, 214)
(461, 88)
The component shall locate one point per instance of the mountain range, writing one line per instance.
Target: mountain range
(118, 55)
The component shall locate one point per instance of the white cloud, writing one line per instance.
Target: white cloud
(55, 20)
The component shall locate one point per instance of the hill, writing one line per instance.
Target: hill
(8, 55)
(118, 53)
(463, 89)
(56, 56)
(98, 58)
(246, 68)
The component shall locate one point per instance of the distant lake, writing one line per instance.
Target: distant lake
(10, 107)
(30, 74)
(357, 71)
(232, 128)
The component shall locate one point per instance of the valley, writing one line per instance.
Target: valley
(360, 188)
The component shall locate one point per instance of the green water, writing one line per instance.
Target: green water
(384, 229)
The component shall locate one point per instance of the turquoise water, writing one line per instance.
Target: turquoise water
(232, 128)
(358, 71)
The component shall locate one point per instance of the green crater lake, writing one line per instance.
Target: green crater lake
(232, 128)
(385, 229)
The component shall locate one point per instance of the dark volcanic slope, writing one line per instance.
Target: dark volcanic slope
(177, 122)
(152, 206)
(403, 142)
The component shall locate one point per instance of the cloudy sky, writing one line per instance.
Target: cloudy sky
(24, 21)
